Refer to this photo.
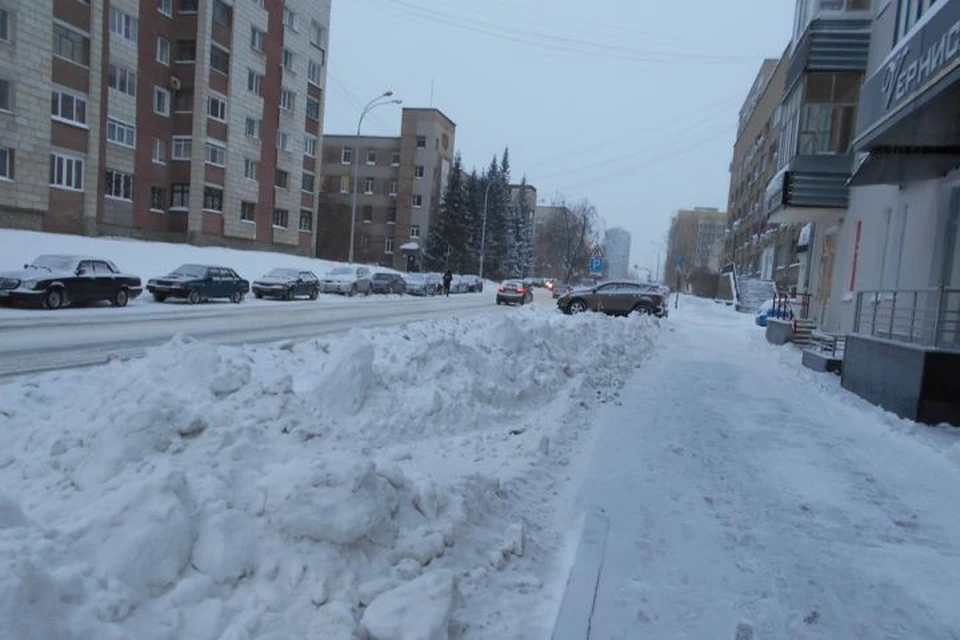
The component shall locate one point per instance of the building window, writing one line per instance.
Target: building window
(286, 99)
(394, 186)
(306, 220)
(188, 6)
(316, 33)
(186, 51)
(313, 109)
(4, 25)
(421, 142)
(161, 101)
(213, 199)
(121, 133)
(254, 82)
(158, 198)
(283, 140)
(287, 60)
(68, 107)
(281, 218)
(282, 179)
(222, 13)
(163, 6)
(252, 128)
(6, 163)
(217, 108)
(414, 231)
(248, 211)
(119, 185)
(6, 95)
(180, 196)
(315, 73)
(257, 38)
(392, 215)
(250, 169)
(827, 118)
(123, 25)
(344, 184)
(182, 148)
(417, 201)
(289, 19)
(183, 101)
(371, 157)
(365, 242)
(368, 184)
(346, 155)
(163, 51)
(308, 182)
(310, 145)
(395, 159)
(215, 153)
(69, 45)
(66, 172)
(418, 171)
(159, 151)
(122, 79)
(219, 60)
(908, 14)
(388, 246)
(367, 213)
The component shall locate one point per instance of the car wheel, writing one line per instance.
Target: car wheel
(159, 297)
(193, 297)
(258, 296)
(54, 299)
(578, 306)
(642, 310)
(120, 298)
(314, 294)
(290, 295)
(353, 291)
(236, 297)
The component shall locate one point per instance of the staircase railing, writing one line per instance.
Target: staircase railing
(793, 307)
(925, 317)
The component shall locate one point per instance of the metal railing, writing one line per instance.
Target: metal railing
(790, 307)
(925, 317)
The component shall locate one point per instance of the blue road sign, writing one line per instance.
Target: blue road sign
(596, 265)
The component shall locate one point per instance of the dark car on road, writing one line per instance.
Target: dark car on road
(196, 283)
(388, 283)
(615, 299)
(514, 292)
(56, 281)
(287, 284)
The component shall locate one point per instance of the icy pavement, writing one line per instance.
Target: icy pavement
(744, 491)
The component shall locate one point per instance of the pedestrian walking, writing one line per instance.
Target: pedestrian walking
(447, 279)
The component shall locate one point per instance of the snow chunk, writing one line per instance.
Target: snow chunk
(223, 548)
(418, 610)
(10, 514)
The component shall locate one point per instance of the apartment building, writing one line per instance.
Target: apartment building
(616, 249)
(182, 120)
(400, 182)
(693, 232)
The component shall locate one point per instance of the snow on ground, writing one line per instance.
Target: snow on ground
(747, 492)
(398, 482)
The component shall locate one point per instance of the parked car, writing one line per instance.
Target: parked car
(348, 281)
(56, 281)
(459, 284)
(287, 284)
(386, 282)
(514, 292)
(473, 283)
(196, 283)
(419, 284)
(559, 289)
(615, 298)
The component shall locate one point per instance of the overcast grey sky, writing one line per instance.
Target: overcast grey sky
(629, 103)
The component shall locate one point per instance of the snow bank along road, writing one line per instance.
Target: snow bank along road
(744, 490)
(44, 341)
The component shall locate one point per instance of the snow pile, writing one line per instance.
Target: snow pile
(358, 485)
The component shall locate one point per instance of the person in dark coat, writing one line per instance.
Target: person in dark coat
(447, 279)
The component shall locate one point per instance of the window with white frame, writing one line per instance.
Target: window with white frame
(7, 155)
(365, 242)
(368, 184)
(252, 128)
(215, 153)
(421, 142)
(122, 79)
(70, 45)
(306, 220)
(250, 168)
(180, 196)
(66, 171)
(909, 13)
(182, 148)
(395, 159)
(161, 101)
(281, 218)
(287, 98)
(248, 211)
(122, 133)
(283, 140)
(414, 231)
(213, 199)
(282, 179)
(217, 108)
(344, 184)
(163, 6)
(315, 73)
(68, 107)
(418, 171)
(257, 38)
(366, 214)
(287, 60)
(417, 200)
(158, 199)
(371, 157)
(6, 95)
(222, 13)
(308, 182)
(119, 185)
(159, 151)
(219, 60)
(310, 145)
(316, 33)
(186, 51)
(394, 187)
(123, 24)
(163, 51)
(388, 245)
(289, 18)
(346, 155)
(254, 82)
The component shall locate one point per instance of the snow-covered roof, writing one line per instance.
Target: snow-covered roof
(410, 246)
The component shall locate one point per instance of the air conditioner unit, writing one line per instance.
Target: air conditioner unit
(175, 83)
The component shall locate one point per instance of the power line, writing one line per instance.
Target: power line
(356, 100)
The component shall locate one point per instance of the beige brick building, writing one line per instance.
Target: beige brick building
(182, 120)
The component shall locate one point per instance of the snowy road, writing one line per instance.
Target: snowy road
(744, 490)
(46, 341)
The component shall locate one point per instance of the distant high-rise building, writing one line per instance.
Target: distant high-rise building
(616, 248)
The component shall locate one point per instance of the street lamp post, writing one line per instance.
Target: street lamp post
(379, 101)
(659, 246)
(483, 228)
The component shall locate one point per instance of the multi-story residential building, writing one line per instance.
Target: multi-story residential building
(897, 285)
(400, 182)
(692, 234)
(616, 250)
(827, 61)
(183, 120)
(756, 247)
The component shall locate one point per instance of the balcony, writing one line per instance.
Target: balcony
(809, 187)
